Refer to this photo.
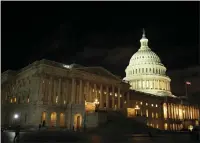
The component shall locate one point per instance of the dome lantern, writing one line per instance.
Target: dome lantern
(144, 42)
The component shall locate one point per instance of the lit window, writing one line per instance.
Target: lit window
(147, 113)
(11, 100)
(124, 102)
(92, 90)
(156, 115)
(165, 126)
(15, 99)
(146, 104)
(64, 102)
(141, 103)
(152, 105)
(156, 125)
(56, 99)
(104, 92)
(156, 105)
(120, 95)
(152, 115)
(115, 94)
(28, 100)
(110, 93)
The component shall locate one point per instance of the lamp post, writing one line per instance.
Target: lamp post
(96, 102)
(16, 117)
(186, 88)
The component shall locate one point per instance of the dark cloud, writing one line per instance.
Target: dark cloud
(119, 55)
(90, 52)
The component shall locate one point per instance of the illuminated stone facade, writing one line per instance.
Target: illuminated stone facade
(166, 113)
(58, 94)
(146, 73)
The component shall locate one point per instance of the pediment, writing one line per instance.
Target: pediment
(100, 71)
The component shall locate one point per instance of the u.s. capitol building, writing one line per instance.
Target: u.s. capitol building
(74, 96)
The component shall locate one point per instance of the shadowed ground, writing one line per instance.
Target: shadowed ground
(119, 129)
(69, 137)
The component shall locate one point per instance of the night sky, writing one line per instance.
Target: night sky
(98, 33)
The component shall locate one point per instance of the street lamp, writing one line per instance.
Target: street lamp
(96, 102)
(16, 116)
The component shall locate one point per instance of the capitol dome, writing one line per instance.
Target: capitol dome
(146, 73)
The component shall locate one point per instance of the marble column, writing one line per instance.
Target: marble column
(118, 95)
(95, 91)
(67, 97)
(59, 91)
(40, 95)
(91, 93)
(113, 97)
(73, 91)
(107, 97)
(55, 87)
(50, 91)
(101, 96)
(87, 91)
(81, 101)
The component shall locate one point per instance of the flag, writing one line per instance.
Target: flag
(188, 83)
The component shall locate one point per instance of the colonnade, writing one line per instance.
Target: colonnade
(151, 84)
(77, 91)
(175, 111)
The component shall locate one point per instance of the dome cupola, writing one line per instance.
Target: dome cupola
(145, 71)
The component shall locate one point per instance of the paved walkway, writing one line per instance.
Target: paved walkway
(64, 137)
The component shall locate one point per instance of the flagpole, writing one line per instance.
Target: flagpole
(186, 94)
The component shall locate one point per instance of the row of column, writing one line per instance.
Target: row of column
(51, 91)
(89, 92)
(147, 70)
(77, 91)
(174, 111)
(151, 84)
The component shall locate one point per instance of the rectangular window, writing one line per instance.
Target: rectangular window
(147, 114)
(152, 115)
(156, 115)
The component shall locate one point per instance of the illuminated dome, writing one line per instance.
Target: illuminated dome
(146, 73)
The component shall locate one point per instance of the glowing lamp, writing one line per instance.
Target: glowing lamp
(16, 116)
